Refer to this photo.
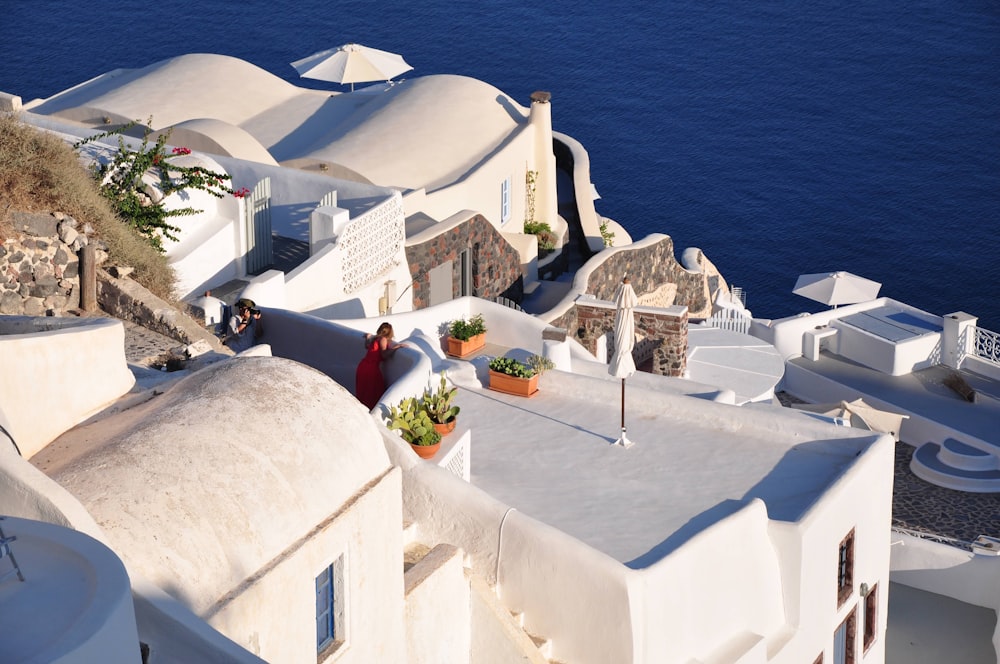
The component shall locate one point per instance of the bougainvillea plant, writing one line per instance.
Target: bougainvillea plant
(121, 182)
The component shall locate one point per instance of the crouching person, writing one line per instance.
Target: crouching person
(245, 326)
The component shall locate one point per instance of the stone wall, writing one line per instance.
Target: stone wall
(39, 276)
(649, 268)
(39, 265)
(663, 333)
(496, 266)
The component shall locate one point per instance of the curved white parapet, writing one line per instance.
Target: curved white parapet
(967, 457)
(77, 363)
(957, 466)
(75, 603)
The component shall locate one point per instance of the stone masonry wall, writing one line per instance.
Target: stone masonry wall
(665, 330)
(649, 268)
(496, 266)
(39, 267)
(39, 276)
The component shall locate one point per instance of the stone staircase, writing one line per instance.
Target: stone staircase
(529, 648)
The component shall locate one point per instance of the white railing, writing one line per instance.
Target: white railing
(730, 319)
(739, 294)
(455, 456)
(986, 345)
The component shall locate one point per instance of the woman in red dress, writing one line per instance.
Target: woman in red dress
(369, 383)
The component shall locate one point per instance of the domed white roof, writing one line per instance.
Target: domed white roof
(221, 472)
(425, 132)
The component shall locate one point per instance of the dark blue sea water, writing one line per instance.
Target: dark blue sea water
(780, 137)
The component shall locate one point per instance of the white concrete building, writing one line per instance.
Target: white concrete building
(241, 490)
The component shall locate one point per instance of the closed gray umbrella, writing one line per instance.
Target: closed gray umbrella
(622, 365)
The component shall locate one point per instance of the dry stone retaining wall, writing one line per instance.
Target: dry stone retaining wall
(649, 268)
(39, 265)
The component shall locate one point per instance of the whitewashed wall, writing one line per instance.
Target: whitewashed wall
(481, 185)
(274, 615)
(946, 570)
(860, 499)
(59, 376)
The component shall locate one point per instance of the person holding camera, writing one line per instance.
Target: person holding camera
(245, 327)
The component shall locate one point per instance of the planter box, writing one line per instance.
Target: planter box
(522, 387)
(458, 348)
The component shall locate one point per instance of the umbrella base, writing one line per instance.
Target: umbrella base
(624, 441)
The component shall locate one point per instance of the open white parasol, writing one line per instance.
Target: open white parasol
(835, 288)
(351, 63)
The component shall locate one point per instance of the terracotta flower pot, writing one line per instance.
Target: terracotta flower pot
(426, 451)
(446, 428)
(458, 348)
(522, 387)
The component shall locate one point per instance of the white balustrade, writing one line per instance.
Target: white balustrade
(371, 244)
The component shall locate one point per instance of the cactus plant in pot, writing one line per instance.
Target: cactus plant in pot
(415, 426)
(439, 406)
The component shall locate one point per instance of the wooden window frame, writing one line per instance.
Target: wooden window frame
(851, 624)
(871, 619)
(336, 618)
(845, 569)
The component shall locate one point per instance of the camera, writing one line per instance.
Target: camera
(255, 312)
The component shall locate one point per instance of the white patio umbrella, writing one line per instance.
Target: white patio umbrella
(834, 288)
(622, 365)
(351, 63)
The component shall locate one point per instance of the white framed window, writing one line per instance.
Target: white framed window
(331, 596)
(505, 200)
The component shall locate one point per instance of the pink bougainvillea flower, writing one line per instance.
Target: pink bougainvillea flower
(240, 193)
(181, 151)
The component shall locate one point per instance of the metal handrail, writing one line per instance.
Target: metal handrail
(932, 537)
(986, 345)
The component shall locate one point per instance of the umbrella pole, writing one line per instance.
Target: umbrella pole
(623, 441)
(623, 406)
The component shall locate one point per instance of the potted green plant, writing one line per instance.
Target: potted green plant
(512, 376)
(438, 406)
(415, 426)
(466, 336)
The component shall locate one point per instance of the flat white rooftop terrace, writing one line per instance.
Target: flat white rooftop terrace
(694, 462)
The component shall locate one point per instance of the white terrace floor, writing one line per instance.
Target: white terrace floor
(921, 392)
(551, 457)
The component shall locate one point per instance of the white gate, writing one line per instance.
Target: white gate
(257, 203)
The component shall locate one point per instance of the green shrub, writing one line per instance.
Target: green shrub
(40, 172)
(463, 329)
(120, 182)
(536, 364)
